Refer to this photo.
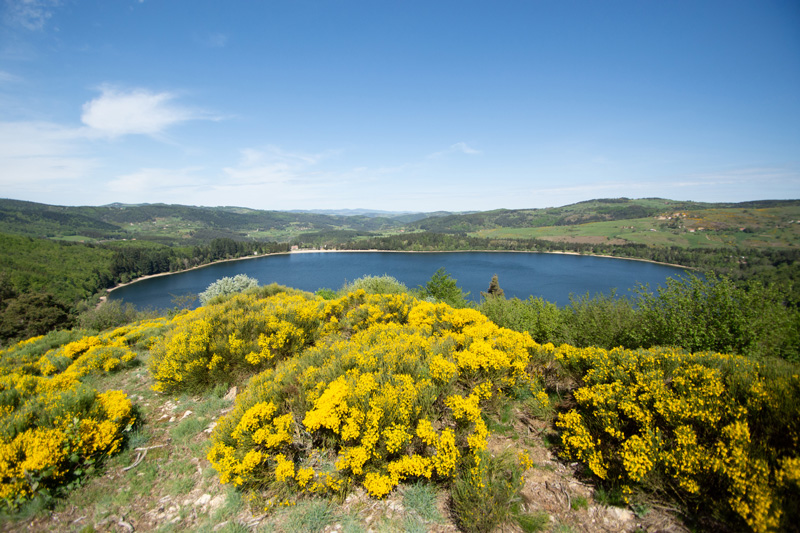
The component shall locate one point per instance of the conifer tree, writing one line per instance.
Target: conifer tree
(494, 288)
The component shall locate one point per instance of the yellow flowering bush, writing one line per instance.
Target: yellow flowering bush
(52, 425)
(706, 425)
(238, 336)
(391, 389)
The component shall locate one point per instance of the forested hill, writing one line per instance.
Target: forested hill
(173, 224)
(601, 210)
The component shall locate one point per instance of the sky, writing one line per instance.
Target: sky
(398, 105)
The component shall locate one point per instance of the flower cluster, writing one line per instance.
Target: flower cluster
(241, 334)
(390, 390)
(51, 424)
(647, 415)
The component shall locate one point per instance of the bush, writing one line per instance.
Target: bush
(544, 321)
(720, 432)
(603, 320)
(486, 492)
(107, 315)
(54, 429)
(233, 339)
(716, 314)
(443, 288)
(227, 286)
(375, 285)
(392, 390)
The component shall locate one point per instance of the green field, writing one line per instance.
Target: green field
(756, 228)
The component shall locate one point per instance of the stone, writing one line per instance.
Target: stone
(231, 394)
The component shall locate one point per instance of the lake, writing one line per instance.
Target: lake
(550, 276)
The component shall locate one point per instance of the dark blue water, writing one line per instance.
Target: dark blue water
(550, 276)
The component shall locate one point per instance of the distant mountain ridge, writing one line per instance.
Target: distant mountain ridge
(181, 224)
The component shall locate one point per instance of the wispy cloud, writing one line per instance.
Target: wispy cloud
(30, 14)
(36, 152)
(457, 148)
(148, 183)
(7, 77)
(138, 111)
(216, 40)
(272, 165)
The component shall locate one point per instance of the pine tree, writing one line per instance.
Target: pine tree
(494, 288)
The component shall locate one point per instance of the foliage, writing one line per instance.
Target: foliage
(494, 288)
(233, 338)
(54, 429)
(715, 314)
(226, 286)
(602, 320)
(375, 285)
(712, 429)
(444, 288)
(695, 313)
(486, 492)
(391, 391)
(109, 314)
(32, 314)
(544, 321)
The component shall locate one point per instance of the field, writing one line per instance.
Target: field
(713, 228)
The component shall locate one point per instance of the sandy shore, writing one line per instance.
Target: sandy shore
(388, 251)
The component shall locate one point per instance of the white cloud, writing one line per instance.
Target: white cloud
(457, 148)
(272, 165)
(30, 14)
(150, 184)
(139, 111)
(36, 152)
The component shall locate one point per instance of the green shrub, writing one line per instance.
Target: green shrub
(108, 315)
(543, 320)
(226, 286)
(486, 493)
(375, 285)
(443, 288)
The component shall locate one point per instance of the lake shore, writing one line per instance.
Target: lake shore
(317, 251)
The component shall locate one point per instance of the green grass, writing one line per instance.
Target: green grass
(420, 498)
(310, 516)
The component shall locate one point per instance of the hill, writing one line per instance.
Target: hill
(386, 412)
(173, 224)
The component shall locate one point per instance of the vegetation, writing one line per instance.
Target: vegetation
(687, 395)
(226, 286)
(443, 288)
(710, 314)
(74, 253)
(391, 393)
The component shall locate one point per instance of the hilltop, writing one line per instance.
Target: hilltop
(379, 410)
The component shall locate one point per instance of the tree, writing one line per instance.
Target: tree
(31, 314)
(444, 288)
(494, 288)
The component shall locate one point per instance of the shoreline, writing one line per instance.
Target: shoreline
(104, 295)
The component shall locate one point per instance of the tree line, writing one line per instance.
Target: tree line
(46, 284)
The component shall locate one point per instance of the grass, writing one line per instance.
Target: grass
(310, 516)
(579, 502)
(532, 522)
(420, 498)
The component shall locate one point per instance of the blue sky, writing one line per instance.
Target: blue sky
(405, 106)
